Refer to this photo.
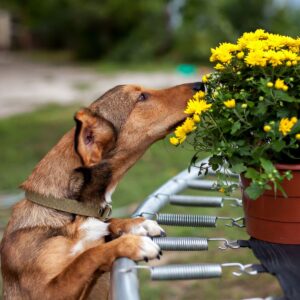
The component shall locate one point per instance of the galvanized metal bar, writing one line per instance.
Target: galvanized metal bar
(159, 198)
(124, 285)
(205, 184)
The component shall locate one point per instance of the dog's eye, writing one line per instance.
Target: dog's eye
(143, 97)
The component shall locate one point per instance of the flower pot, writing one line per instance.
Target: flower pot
(273, 218)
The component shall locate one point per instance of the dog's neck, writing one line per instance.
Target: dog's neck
(52, 174)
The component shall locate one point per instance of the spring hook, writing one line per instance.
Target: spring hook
(191, 243)
(193, 220)
(238, 222)
(193, 271)
(236, 201)
(227, 244)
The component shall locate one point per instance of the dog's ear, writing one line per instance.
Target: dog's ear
(94, 136)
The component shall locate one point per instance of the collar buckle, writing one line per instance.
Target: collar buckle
(106, 211)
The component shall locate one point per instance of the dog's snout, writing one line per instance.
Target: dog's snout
(198, 86)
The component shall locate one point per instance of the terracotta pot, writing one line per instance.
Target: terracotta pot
(275, 219)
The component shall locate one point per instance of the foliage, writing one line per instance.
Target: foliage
(248, 117)
(125, 30)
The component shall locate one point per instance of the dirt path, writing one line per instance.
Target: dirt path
(25, 85)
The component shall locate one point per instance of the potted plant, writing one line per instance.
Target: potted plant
(247, 118)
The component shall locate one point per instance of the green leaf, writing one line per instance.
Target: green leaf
(235, 127)
(252, 174)
(267, 165)
(254, 191)
(238, 168)
(277, 146)
(261, 108)
(280, 95)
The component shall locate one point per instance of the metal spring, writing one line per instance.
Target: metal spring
(186, 220)
(181, 243)
(203, 201)
(186, 272)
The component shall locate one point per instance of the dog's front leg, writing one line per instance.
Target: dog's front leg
(137, 226)
(71, 281)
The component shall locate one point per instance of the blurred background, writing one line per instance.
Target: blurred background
(58, 55)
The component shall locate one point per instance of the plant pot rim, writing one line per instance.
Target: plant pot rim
(295, 167)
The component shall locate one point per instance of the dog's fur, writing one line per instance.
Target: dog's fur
(50, 254)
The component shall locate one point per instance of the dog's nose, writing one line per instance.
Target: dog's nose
(198, 86)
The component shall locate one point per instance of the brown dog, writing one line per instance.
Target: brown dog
(54, 254)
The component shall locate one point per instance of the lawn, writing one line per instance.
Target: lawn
(27, 137)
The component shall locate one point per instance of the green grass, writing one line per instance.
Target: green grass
(27, 137)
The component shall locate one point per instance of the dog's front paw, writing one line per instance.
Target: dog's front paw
(138, 248)
(147, 228)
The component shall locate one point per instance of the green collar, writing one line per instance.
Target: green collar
(70, 206)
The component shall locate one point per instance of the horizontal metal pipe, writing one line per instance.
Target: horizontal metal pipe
(204, 184)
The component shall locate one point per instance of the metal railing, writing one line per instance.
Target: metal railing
(125, 285)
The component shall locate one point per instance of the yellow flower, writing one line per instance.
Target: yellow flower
(229, 103)
(196, 118)
(288, 63)
(205, 78)
(256, 58)
(199, 95)
(294, 120)
(222, 190)
(286, 125)
(219, 67)
(197, 106)
(279, 85)
(223, 53)
(267, 128)
(270, 84)
(240, 55)
(297, 136)
(188, 125)
(174, 141)
(180, 134)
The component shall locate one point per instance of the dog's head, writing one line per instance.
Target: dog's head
(115, 130)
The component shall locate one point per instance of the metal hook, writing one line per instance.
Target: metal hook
(238, 222)
(226, 244)
(234, 221)
(248, 269)
(237, 202)
(238, 265)
(147, 213)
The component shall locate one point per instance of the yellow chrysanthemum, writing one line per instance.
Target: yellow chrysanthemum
(174, 141)
(197, 106)
(188, 125)
(267, 128)
(297, 136)
(199, 95)
(196, 118)
(219, 67)
(180, 134)
(230, 103)
(223, 53)
(256, 58)
(240, 55)
(280, 85)
(286, 125)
